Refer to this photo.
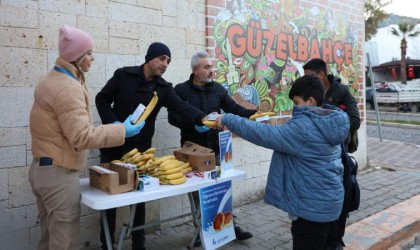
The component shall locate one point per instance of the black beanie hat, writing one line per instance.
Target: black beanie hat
(157, 49)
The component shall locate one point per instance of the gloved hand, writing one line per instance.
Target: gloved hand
(201, 129)
(132, 129)
(116, 122)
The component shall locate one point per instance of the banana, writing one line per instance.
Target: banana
(148, 109)
(116, 161)
(178, 181)
(164, 163)
(209, 123)
(130, 153)
(170, 165)
(141, 164)
(163, 182)
(255, 116)
(150, 151)
(172, 171)
(159, 160)
(144, 157)
(186, 170)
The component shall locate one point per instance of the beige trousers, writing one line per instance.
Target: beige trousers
(57, 192)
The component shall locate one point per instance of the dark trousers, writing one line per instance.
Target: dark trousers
(138, 237)
(310, 235)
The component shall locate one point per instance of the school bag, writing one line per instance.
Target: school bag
(351, 189)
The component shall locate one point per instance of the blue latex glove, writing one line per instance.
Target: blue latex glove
(116, 122)
(201, 129)
(132, 129)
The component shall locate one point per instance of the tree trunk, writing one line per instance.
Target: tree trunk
(403, 69)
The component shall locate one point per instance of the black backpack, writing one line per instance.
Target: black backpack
(351, 189)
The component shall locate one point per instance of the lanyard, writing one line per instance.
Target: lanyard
(65, 72)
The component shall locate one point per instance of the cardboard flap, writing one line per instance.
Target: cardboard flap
(193, 148)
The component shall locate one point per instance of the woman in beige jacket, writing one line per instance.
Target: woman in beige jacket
(62, 132)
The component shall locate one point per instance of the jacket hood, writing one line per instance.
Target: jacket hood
(332, 123)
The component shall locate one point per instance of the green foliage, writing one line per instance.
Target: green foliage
(373, 16)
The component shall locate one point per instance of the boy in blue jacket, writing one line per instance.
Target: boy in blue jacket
(305, 176)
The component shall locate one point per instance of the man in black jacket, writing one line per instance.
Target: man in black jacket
(210, 97)
(336, 94)
(129, 87)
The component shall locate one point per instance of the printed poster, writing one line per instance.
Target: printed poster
(216, 215)
(225, 145)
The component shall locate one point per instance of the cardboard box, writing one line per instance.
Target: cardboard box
(200, 158)
(113, 179)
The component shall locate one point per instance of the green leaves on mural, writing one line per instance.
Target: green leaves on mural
(262, 87)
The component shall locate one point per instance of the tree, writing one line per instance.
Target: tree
(405, 29)
(374, 16)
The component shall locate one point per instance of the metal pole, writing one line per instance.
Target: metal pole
(378, 121)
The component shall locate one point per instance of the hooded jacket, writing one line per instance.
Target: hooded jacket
(305, 176)
(61, 122)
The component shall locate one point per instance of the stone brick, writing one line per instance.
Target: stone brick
(15, 240)
(97, 8)
(114, 61)
(169, 21)
(21, 4)
(130, 13)
(20, 193)
(12, 136)
(195, 37)
(12, 156)
(89, 227)
(34, 235)
(4, 185)
(32, 215)
(22, 67)
(96, 77)
(189, 14)
(76, 7)
(129, 30)
(123, 46)
(167, 135)
(170, 8)
(50, 23)
(178, 71)
(20, 37)
(152, 4)
(18, 103)
(98, 29)
(18, 17)
(12, 220)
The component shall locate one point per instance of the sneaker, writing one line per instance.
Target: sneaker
(242, 235)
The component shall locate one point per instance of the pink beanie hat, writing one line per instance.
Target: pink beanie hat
(73, 43)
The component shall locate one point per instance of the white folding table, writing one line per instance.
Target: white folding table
(99, 200)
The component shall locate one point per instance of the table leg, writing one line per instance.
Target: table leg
(126, 229)
(196, 220)
(106, 230)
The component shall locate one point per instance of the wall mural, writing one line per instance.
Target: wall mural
(261, 45)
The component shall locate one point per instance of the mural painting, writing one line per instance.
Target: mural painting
(261, 45)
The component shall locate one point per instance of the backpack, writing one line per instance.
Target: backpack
(351, 189)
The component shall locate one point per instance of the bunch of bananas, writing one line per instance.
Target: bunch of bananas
(171, 170)
(167, 168)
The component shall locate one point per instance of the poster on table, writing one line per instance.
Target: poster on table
(225, 145)
(216, 215)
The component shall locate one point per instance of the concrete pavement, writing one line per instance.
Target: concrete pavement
(388, 217)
